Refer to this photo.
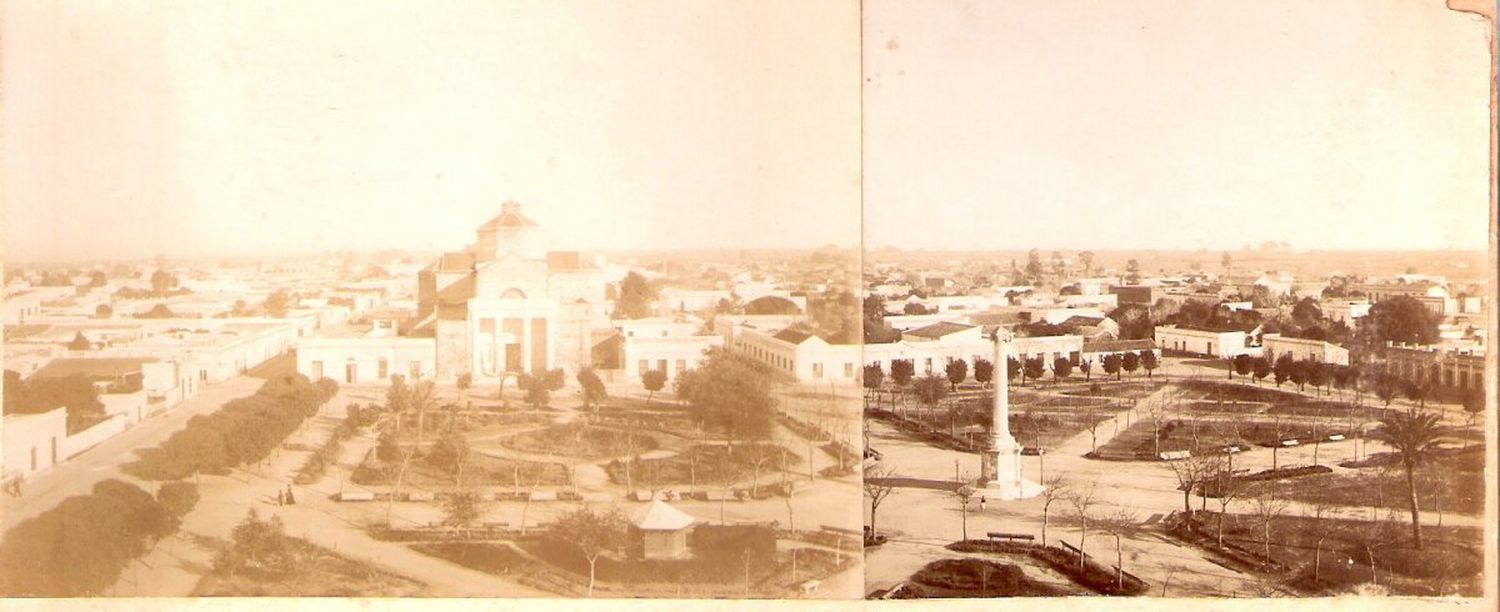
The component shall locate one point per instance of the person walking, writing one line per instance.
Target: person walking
(291, 500)
(981, 503)
(280, 499)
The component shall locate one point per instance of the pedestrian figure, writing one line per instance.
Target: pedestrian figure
(280, 499)
(290, 499)
(981, 503)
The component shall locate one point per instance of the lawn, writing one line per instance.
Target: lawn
(704, 466)
(584, 441)
(319, 573)
(1330, 556)
(962, 578)
(1454, 482)
(481, 470)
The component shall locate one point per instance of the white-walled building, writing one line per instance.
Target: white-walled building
(1207, 342)
(34, 442)
(1274, 346)
(670, 345)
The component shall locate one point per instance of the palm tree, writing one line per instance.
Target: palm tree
(1414, 435)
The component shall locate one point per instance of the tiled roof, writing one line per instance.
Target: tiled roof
(1116, 346)
(939, 329)
(792, 336)
(93, 368)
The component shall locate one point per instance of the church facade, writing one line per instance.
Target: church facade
(506, 305)
(502, 306)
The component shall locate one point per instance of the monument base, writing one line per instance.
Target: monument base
(1001, 473)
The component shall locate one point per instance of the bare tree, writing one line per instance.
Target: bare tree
(1267, 508)
(1082, 503)
(1229, 489)
(1054, 489)
(1120, 523)
(877, 487)
(964, 494)
(1191, 474)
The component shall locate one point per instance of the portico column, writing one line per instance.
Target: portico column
(526, 344)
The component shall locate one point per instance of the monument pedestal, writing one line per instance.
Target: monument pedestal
(1000, 473)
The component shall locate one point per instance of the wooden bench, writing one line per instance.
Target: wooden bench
(811, 586)
(1010, 537)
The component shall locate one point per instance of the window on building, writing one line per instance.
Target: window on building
(415, 369)
(317, 370)
(817, 370)
(848, 370)
(681, 365)
(643, 366)
(383, 369)
(661, 364)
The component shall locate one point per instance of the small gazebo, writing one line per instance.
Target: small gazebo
(663, 530)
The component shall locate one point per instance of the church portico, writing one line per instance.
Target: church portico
(512, 336)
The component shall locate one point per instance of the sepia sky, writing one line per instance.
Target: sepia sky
(209, 128)
(1345, 124)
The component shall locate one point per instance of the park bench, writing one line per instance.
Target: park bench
(1291, 442)
(1335, 437)
(1071, 548)
(353, 496)
(811, 586)
(641, 496)
(1176, 455)
(1010, 537)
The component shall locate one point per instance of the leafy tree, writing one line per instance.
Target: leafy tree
(1400, 319)
(1283, 368)
(1062, 367)
(732, 393)
(259, 545)
(984, 371)
(874, 376)
(1260, 367)
(902, 371)
(1034, 368)
(1243, 364)
(636, 295)
(177, 498)
(1087, 258)
(1149, 361)
(653, 381)
(1012, 368)
(1299, 372)
(1087, 366)
(80, 343)
(593, 388)
(1112, 364)
(1130, 362)
(277, 303)
(162, 282)
(594, 534)
(104, 311)
(931, 390)
(1134, 321)
(534, 385)
(957, 371)
(914, 308)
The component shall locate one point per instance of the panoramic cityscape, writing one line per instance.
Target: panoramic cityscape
(776, 301)
(1147, 345)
